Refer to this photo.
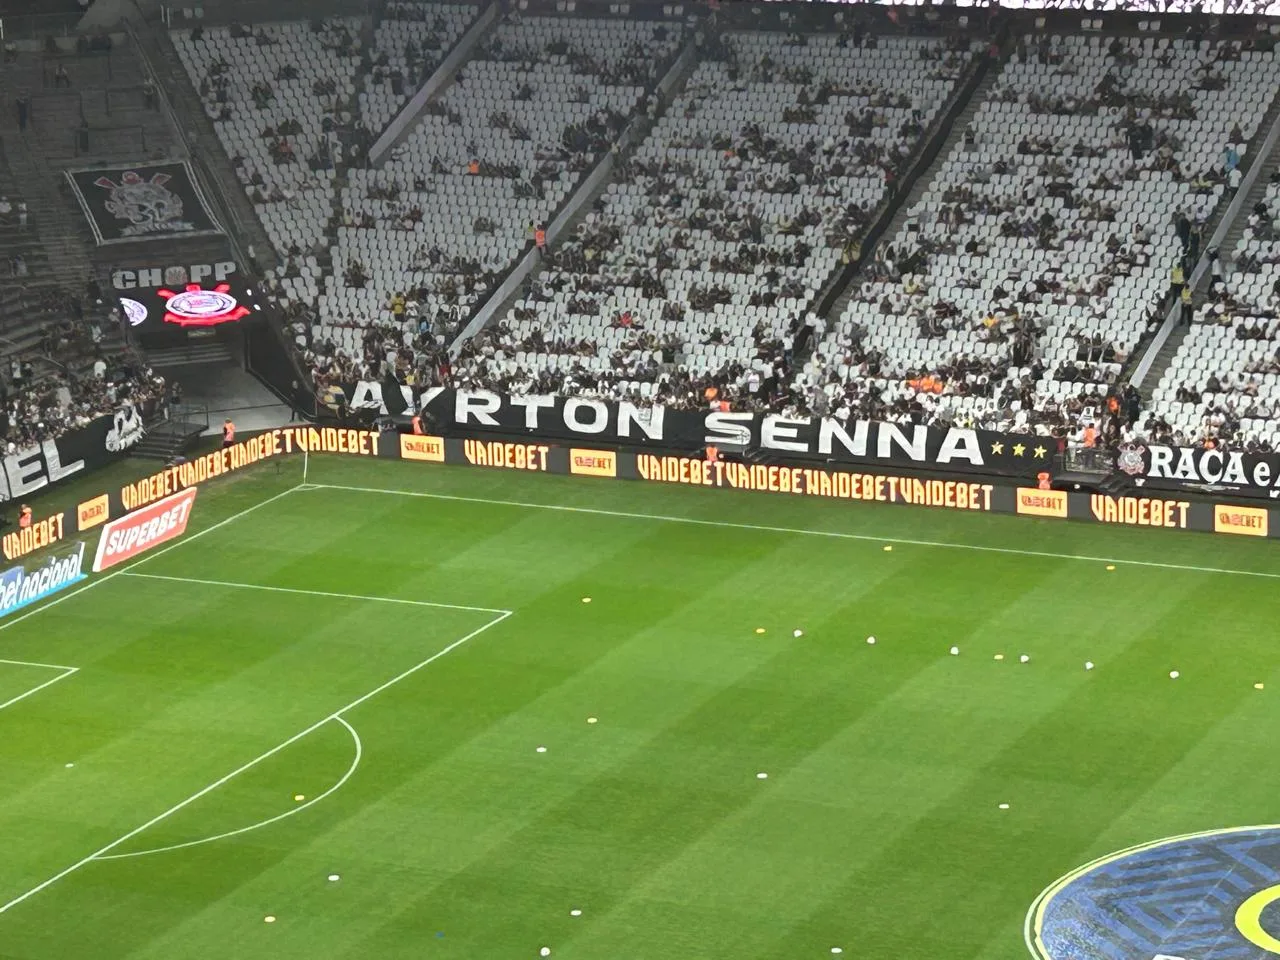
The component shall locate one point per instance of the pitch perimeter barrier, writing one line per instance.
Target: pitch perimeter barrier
(941, 492)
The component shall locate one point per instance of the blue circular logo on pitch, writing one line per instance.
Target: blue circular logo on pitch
(1204, 896)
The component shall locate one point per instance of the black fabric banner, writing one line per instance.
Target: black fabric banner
(158, 201)
(1198, 469)
(93, 445)
(587, 420)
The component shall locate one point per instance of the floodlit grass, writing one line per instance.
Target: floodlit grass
(877, 829)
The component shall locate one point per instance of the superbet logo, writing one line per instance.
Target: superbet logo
(195, 306)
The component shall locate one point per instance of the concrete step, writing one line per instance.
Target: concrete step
(193, 354)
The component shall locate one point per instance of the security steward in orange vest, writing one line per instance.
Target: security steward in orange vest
(417, 424)
(1042, 481)
(540, 239)
(228, 433)
(24, 518)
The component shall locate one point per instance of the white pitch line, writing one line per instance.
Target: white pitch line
(314, 593)
(141, 560)
(66, 672)
(764, 528)
(204, 791)
(263, 823)
(35, 663)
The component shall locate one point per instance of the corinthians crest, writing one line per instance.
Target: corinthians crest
(145, 202)
(147, 206)
(1129, 459)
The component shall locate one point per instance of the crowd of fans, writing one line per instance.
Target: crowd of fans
(40, 406)
(750, 228)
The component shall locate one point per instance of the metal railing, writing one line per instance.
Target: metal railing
(1089, 460)
(37, 26)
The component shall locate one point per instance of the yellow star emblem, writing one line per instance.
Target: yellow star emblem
(1019, 449)
(997, 447)
(1039, 452)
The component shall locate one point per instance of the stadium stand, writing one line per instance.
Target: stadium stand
(409, 43)
(422, 240)
(276, 93)
(1032, 264)
(1223, 385)
(1014, 287)
(730, 217)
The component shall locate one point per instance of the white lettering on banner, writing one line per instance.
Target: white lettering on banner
(29, 470)
(1186, 469)
(729, 428)
(891, 435)
(532, 404)
(961, 445)
(1212, 466)
(367, 395)
(1235, 469)
(479, 406)
(149, 527)
(782, 433)
(1161, 458)
(829, 430)
(649, 421)
(148, 277)
(599, 415)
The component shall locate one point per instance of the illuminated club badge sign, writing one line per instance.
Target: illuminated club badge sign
(195, 306)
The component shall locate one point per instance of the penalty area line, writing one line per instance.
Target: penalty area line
(314, 593)
(144, 559)
(101, 854)
(64, 672)
(799, 531)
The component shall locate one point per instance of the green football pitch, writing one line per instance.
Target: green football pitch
(471, 714)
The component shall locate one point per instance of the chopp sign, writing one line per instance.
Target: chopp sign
(149, 527)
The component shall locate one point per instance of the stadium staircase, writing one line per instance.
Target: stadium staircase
(1230, 240)
(574, 208)
(406, 118)
(916, 188)
(172, 434)
(582, 201)
(54, 247)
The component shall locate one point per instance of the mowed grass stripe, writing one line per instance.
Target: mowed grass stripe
(508, 783)
(454, 832)
(1068, 767)
(675, 766)
(170, 734)
(1157, 546)
(845, 799)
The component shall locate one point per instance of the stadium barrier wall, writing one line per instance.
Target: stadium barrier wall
(940, 491)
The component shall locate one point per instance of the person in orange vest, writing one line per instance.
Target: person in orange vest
(24, 518)
(713, 453)
(417, 424)
(473, 168)
(1090, 436)
(1042, 481)
(228, 433)
(540, 239)
(724, 406)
